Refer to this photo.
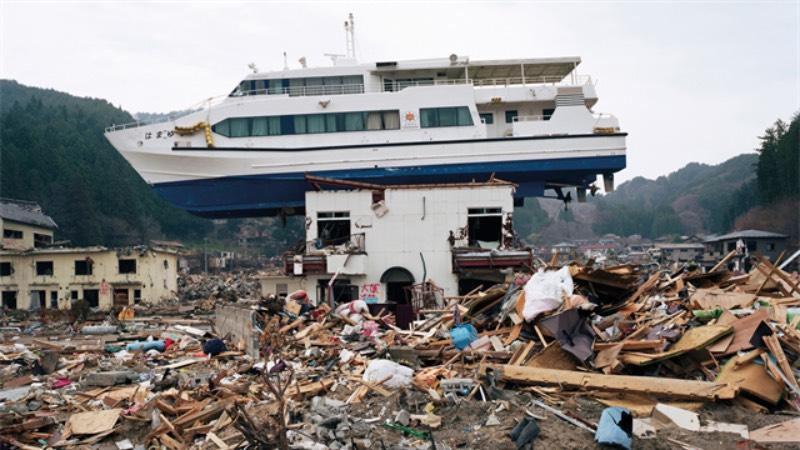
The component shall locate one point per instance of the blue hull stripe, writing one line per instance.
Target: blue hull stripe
(266, 194)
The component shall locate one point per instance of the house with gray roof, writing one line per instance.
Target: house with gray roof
(24, 225)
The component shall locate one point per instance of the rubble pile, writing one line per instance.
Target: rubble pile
(226, 286)
(568, 357)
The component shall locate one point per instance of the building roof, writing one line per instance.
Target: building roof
(682, 245)
(29, 213)
(747, 234)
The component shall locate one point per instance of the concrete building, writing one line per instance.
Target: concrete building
(24, 225)
(765, 243)
(34, 275)
(375, 242)
(678, 253)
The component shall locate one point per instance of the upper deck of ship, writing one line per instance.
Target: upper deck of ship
(348, 77)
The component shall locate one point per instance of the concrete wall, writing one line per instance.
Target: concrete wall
(238, 322)
(274, 284)
(156, 275)
(418, 221)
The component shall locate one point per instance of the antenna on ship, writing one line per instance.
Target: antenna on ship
(350, 33)
(285, 62)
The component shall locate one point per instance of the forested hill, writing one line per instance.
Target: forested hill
(755, 190)
(54, 153)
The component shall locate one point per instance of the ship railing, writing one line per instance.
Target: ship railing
(531, 118)
(300, 91)
(576, 80)
(534, 118)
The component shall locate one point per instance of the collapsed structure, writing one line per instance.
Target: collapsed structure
(36, 273)
(376, 242)
(562, 357)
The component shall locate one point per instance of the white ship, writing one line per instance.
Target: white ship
(453, 119)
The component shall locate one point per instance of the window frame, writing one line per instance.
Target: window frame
(511, 114)
(88, 269)
(43, 272)
(126, 260)
(432, 117)
(483, 117)
(10, 233)
(6, 272)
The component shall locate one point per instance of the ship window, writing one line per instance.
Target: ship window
(300, 124)
(316, 123)
(331, 123)
(445, 117)
(354, 121)
(547, 113)
(240, 127)
(321, 123)
(287, 125)
(487, 118)
(274, 126)
(260, 126)
(223, 128)
(510, 115)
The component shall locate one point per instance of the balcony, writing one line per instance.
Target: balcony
(476, 258)
(345, 255)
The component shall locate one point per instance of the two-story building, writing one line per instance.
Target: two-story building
(765, 243)
(24, 225)
(35, 274)
(375, 242)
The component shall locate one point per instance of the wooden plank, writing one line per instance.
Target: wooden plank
(775, 348)
(651, 344)
(625, 383)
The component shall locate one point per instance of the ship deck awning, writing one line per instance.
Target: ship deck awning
(488, 69)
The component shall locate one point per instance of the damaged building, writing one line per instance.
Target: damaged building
(36, 274)
(379, 243)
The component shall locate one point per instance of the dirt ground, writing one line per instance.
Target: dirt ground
(463, 426)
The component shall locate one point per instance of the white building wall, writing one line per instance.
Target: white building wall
(418, 221)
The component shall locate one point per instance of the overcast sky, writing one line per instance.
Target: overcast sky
(689, 81)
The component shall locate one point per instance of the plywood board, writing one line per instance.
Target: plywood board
(658, 386)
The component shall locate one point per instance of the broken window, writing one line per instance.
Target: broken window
(12, 234)
(42, 240)
(127, 266)
(44, 268)
(281, 290)
(485, 227)
(92, 297)
(333, 228)
(83, 267)
(38, 300)
(54, 299)
(73, 295)
(121, 297)
(5, 269)
(10, 299)
(343, 291)
(137, 296)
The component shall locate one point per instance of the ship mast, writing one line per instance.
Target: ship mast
(350, 34)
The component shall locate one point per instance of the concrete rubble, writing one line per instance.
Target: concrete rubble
(562, 358)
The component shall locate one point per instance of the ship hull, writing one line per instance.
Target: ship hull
(269, 194)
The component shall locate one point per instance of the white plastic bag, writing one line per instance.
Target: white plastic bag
(545, 290)
(381, 369)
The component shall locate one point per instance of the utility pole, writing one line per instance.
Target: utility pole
(205, 255)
